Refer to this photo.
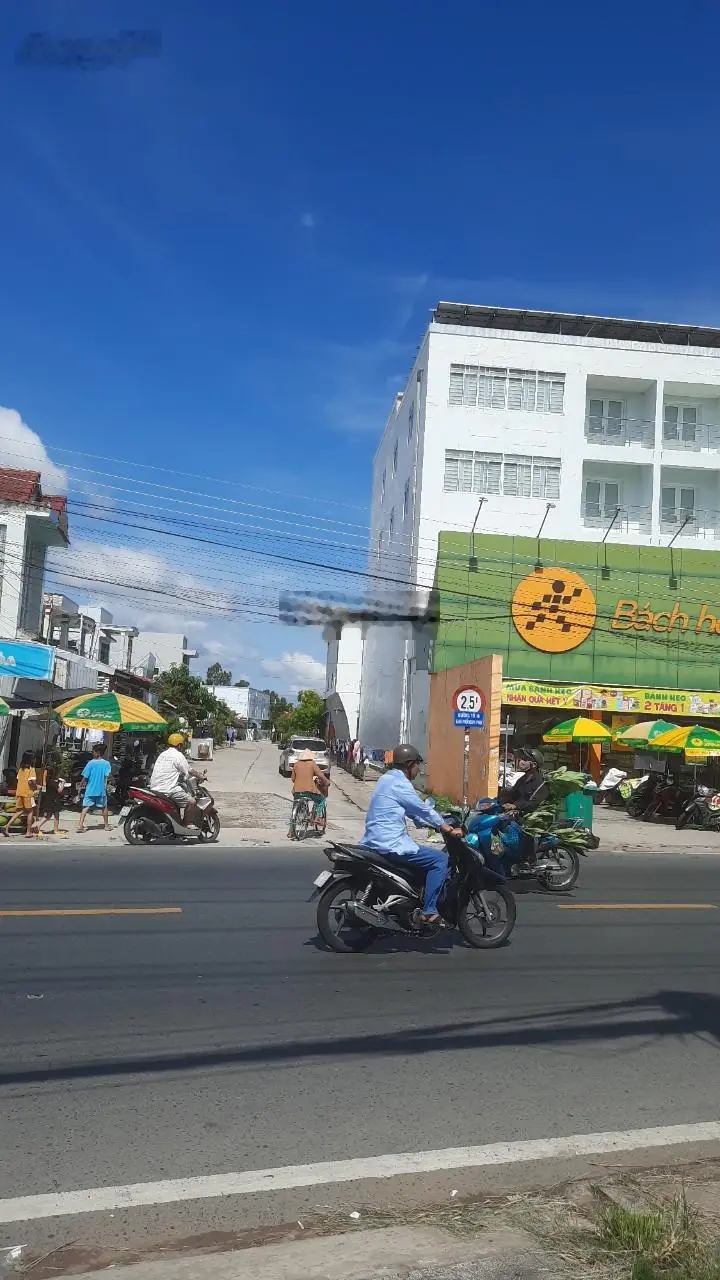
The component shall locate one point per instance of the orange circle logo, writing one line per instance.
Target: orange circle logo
(554, 610)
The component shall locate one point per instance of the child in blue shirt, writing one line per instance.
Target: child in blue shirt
(96, 773)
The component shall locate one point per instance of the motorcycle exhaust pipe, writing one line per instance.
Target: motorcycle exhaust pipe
(375, 918)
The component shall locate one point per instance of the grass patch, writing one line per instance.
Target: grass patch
(666, 1244)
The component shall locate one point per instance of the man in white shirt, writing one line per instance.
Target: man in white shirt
(169, 778)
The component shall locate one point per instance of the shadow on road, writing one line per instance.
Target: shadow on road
(669, 1014)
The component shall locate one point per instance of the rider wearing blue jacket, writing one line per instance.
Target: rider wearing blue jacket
(395, 799)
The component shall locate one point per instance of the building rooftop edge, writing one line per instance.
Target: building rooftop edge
(567, 323)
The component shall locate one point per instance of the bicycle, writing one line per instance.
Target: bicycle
(308, 812)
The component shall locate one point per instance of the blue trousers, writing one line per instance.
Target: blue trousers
(435, 863)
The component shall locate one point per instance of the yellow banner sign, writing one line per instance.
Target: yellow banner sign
(596, 697)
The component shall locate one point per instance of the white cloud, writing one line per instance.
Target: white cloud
(145, 588)
(307, 220)
(22, 448)
(296, 671)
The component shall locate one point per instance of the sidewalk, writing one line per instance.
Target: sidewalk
(586, 1227)
(252, 798)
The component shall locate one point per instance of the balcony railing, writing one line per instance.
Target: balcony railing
(624, 519)
(693, 437)
(702, 523)
(603, 429)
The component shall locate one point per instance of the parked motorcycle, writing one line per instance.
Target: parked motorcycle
(367, 896)
(149, 817)
(551, 857)
(701, 810)
(657, 796)
(608, 791)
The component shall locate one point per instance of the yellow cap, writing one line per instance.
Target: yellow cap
(176, 740)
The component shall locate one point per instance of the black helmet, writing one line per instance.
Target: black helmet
(531, 753)
(405, 754)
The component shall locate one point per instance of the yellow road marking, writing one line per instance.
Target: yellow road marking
(93, 911)
(637, 906)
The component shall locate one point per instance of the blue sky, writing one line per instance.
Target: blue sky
(222, 259)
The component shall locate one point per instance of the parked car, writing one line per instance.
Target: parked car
(290, 753)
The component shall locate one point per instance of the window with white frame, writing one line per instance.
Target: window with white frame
(468, 472)
(411, 420)
(379, 550)
(516, 476)
(391, 525)
(605, 417)
(546, 478)
(602, 499)
(529, 390)
(677, 503)
(395, 459)
(382, 485)
(680, 423)
(406, 500)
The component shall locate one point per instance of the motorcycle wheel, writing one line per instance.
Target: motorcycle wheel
(567, 872)
(635, 810)
(338, 931)
(210, 829)
(139, 829)
(685, 817)
(488, 931)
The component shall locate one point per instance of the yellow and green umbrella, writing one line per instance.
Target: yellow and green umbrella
(110, 712)
(693, 740)
(4, 708)
(581, 729)
(644, 733)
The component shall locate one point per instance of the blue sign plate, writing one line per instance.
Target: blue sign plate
(26, 661)
(469, 719)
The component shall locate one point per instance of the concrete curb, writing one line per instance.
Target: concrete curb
(386, 1254)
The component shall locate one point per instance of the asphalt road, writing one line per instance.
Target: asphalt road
(221, 1036)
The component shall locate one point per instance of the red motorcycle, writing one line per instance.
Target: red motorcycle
(151, 818)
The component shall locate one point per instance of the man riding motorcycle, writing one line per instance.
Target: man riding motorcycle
(395, 799)
(531, 789)
(170, 778)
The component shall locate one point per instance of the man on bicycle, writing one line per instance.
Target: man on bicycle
(309, 782)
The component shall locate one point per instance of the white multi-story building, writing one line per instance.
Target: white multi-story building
(252, 705)
(593, 428)
(169, 649)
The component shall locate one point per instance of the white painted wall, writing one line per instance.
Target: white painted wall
(643, 375)
(167, 647)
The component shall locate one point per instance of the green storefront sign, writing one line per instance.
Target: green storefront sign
(580, 611)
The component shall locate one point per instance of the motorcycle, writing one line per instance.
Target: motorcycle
(608, 792)
(657, 796)
(367, 896)
(701, 810)
(149, 817)
(551, 857)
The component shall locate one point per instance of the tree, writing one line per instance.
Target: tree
(242, 684)
(186, 696)
(217, 675)
(280, 710)
(307, 716)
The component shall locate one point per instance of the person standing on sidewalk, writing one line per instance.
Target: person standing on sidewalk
(25, 796)
(51, 801)
(96, 773)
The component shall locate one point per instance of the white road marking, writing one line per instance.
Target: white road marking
(172, 1191)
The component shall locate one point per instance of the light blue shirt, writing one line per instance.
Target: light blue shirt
(96, 772)
(395, 799)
